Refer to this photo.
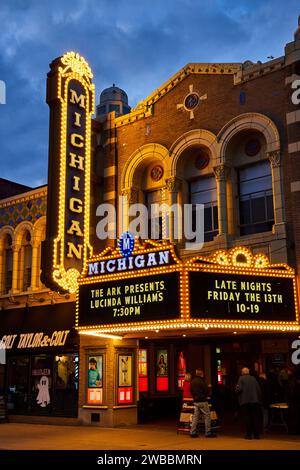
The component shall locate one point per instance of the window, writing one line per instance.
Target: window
(255, 199)
(101, 109)
(26, 259)
(8, 264)
(126, 109)
(204, 191)
(154, 220)
(114, 107)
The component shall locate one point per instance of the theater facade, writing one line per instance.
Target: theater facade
(146, 311)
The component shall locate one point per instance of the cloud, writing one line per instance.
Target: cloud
(137, 44)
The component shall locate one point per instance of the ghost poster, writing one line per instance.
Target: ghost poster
(43, 397)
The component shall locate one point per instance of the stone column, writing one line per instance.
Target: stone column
(173, 185)
(275, 162)
(35, 266)
(16, 269)
(130, 196)
(220, 172)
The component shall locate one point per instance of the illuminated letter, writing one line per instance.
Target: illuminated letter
(78, 207)
(139, 261)
(75, 99)
(75, 138)
(77, 120)
(76, 161)
(76, 180)
(164, 257)
(73, 250)
(93, 269)
(75, 229)
(110, 266)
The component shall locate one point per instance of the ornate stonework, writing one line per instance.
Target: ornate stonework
(131, 194)
(274, 158)
(173, 184)
(220, 172)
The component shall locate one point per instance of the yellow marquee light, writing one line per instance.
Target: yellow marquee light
(74, 67)
(99, 334)
(238, 260)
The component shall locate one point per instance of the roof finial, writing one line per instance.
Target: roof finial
(297, 32)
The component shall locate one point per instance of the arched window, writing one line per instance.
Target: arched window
(8, 265)
(25, 262)
(203, 191)
(255, 198)
(153, 201)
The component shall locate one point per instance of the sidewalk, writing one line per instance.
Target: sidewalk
(140, 437)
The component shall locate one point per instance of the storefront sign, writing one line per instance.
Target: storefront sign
(241, 297)
(140, 299)
(70, 95)
(34, 340)
(38, 328)
(129, 263)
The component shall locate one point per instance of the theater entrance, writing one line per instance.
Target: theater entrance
(163, 363)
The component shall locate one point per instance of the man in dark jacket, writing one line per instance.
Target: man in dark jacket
(199, 390)
(249, 399)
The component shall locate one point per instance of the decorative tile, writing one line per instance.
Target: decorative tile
(29, 210)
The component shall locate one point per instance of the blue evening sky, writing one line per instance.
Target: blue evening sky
(136, 44)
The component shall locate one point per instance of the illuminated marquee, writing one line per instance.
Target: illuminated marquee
(229, 289)
(70, 95)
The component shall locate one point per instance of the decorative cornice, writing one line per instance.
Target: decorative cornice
(24, 197)
(145, 107)
(250, 71)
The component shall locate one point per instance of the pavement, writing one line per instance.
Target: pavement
(15, 436)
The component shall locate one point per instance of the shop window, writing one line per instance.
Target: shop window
(8, 264)
(143, 370)
(204, 191)
(256, 199)
(153, 200)
(162, 371)
(65, 384)
(125, 389)
(17, 383)
(95, 380)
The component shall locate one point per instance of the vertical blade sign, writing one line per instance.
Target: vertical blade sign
(70, 96)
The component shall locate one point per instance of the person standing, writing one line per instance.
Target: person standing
(187, 386)
(199, 391)
(249, 394)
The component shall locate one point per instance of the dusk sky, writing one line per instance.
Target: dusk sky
(136, 44)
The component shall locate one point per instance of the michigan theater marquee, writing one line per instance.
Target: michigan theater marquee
(147, 311)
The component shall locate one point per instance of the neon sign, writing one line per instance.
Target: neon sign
(70, 95)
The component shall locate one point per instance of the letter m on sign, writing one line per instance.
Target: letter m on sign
(126, 243)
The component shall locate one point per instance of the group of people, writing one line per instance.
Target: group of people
(254, 393)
